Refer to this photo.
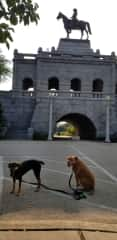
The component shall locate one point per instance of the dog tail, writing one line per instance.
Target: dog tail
(41, 162)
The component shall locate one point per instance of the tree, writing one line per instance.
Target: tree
(66, 129)
(13, 12)
(70, 129)
(4, 68)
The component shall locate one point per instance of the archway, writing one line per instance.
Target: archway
(84, 127)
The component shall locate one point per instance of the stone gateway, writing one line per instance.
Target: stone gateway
(71, 83)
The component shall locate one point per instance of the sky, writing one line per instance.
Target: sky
(101, 14)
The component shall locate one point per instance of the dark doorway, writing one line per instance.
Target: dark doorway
(53, 83)
(97, 85)
(76, 84)
(27, 84)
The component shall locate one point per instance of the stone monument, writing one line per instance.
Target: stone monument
(71, 83)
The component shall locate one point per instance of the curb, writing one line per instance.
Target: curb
(57, 225)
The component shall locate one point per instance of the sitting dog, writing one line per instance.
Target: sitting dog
(85, 179)
(17, 170)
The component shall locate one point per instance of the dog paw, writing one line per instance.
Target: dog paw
(17, 194)
(11, 192)
(36, 190)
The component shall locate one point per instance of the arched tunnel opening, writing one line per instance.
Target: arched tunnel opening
(78, 125)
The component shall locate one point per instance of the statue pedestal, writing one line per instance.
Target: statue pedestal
(75, 47)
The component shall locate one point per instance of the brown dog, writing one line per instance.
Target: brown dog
(84, 177)
(17, 170)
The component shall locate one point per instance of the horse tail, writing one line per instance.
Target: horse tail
(89, 28)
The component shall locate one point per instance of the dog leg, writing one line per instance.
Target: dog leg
(38, 184)
(13, 188)
(19, 188)
(37, 175)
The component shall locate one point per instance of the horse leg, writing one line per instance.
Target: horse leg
(87, 34)
(67, 34)
(81, 34)
(67, 30)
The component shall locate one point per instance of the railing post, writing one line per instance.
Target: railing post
(107, 135)
(50, 118)
(52, 93)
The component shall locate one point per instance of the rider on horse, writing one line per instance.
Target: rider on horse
(75, 24)
(74, 17)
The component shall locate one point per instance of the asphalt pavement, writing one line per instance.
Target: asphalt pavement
(55, 210)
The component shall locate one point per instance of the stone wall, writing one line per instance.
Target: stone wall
(72, 59)
(18, 111)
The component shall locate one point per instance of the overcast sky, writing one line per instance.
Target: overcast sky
(101, 14)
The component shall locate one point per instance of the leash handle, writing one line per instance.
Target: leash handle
(77, 194)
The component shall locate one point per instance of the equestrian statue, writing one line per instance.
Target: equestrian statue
(75, 24)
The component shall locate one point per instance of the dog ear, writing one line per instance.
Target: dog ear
(17, 164)
(13, 165)
(75, 158)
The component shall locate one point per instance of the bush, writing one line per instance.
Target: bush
(39, 136)
(114, 137)
(2, 123)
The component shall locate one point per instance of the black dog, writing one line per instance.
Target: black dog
(17, 170)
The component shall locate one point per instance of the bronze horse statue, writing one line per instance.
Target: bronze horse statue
(69, 25)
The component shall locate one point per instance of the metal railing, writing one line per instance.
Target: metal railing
(58, 93)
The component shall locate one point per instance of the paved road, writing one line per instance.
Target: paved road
(48, 206)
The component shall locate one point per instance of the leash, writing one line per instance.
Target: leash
(48, 188)
(77, 194)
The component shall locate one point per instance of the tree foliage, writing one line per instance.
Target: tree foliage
(66, 129)
(13, 12)
(4, 67)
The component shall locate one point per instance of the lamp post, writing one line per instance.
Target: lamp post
(107, 134)
(50, 119)
(52, 93)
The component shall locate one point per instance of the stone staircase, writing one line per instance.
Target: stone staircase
(14, 133)
(19, 130)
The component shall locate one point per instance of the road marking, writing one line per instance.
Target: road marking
(105, 181)
(1, 175)
(101, 206)
(68, 174)
(111, 176)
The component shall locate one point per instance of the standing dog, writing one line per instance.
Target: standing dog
(84, 177)
(17, 170)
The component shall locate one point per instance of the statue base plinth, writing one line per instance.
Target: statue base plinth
(75, 46)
